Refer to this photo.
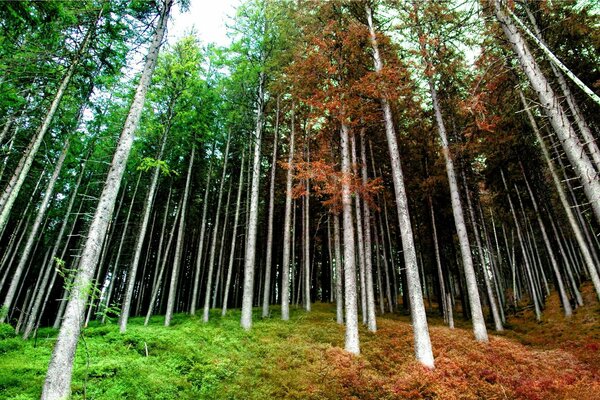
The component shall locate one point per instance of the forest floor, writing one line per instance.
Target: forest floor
(304, 359)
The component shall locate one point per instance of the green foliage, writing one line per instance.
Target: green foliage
(149, 163)
(303, 358)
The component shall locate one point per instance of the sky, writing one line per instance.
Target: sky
(208, 17)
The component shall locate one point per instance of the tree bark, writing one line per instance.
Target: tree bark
(58, 378)
(558, 119)
(352, 343)
(268, 257)
(139, 243)
(249, 258)
(285, 265)
(33, 234)
(179, 243)
(371, 321)
(213, 245)
(423, 351)
(10, 193)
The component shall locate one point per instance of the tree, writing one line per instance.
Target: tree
(58, 378)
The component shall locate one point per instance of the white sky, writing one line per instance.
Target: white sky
(208, 17)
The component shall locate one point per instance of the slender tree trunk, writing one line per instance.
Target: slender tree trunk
(249, 259)
(58, 377)
(238, 203)
(33, 234)
(339, 293)
(219, 277)
(352, 340)
(581, 241)
(213, 245)
(559, 279)
(197, 274)
(33, 320)
(285, 266)
(528, 267)
(423, 351)
(461, 228)
(558, 119)
(306, 247)
(179, 243)
(139, 243)
(438, 263)
(163, 263)
(266, 293)
(371, 321)
(10, 193)
(360, 238)
(487, 278)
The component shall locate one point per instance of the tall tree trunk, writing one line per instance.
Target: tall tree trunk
(48, 270)
(267, 292)
(352, 343)
(438, 263)
(487, 273)
(339, 294)
(581, 241)
(215, 233)
(10, 193)
(528, 267)
(219, 277)
(163, 263)
(249, 258)
(285, 269)
(58, 378)
(551, 104)
(423, 351)
(371, 321)
(360, 237)
(139, 243)
(33, 234)
(559, 279)
(197, 273)
(479, 328)
(238, 203)
(179, 244)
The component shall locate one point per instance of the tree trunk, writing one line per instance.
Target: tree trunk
(58, 378)
(528, 267)
(139, 243)
(423, 351)
(179, 243)
(371, 321)
(339, 294)
(33, 234)
(267, 292)
(163, 263)
(10, 193)
(352, 344)
(234, 237)
(249, 258)
(360, 238)
(487, 273)
(559, 279)
(581, 241)
(285, 269)
(215, 233)
(35, 316)
(197, 274)
(558, 119)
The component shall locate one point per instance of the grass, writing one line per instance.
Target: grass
(304, 359)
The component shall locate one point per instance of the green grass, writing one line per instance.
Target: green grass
(189, 360)
(304, 358)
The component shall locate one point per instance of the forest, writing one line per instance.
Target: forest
(354, 199)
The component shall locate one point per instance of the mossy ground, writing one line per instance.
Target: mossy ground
(304, 358)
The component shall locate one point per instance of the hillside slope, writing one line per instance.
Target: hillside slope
(304, 359)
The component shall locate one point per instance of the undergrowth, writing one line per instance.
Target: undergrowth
(304, 359)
